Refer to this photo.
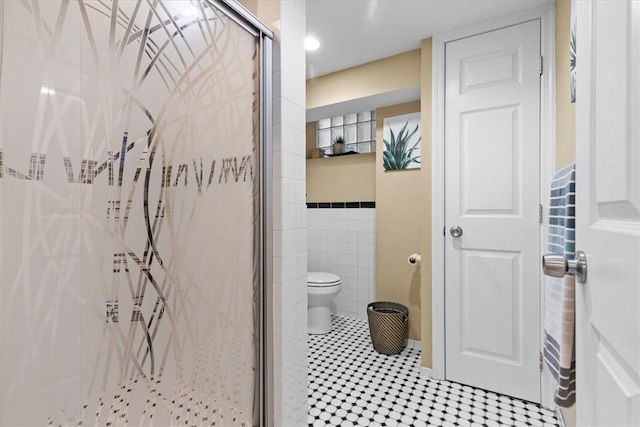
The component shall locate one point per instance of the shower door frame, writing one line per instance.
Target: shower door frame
(264, 39)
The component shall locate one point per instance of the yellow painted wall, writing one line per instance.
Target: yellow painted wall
(339, 179)
(565, 110)
(342, 179)
(311, 137)
(250, 5)
(382, 76)
(352, 178)
(398, 224)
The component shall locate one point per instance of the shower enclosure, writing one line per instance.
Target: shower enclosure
(133, 158)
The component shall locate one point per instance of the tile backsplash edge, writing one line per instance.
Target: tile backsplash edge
(340, 205)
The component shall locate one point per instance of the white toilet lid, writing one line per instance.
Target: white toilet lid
(319, 279)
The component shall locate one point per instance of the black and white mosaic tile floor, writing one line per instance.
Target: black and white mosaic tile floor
(350, 384)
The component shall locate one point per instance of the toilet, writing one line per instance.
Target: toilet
(322, 288)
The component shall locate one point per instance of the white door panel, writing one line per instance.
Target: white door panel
(492, 181)
(489, 303)
(491, 161)
(608, 213)
(489, 69)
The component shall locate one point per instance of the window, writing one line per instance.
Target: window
(357, 129)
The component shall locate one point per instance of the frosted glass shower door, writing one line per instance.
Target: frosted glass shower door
(130, 214)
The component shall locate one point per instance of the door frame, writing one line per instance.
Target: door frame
(546, 14)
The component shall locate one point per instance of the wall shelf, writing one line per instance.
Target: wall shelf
(342, 154)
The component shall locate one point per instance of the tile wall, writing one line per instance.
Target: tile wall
(290, 348)
(342, 241)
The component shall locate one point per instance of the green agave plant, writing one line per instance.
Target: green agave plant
(397, 154)
(572, 61)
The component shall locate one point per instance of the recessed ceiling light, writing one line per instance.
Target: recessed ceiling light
(311, 43)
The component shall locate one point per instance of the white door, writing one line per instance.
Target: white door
(492, 148)
(608, 213)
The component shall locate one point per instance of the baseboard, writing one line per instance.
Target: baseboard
(414, 344)
(425, 372)
(560, 417)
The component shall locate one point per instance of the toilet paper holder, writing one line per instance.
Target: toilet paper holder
(414, 259)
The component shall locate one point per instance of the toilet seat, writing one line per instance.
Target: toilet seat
(322, 280)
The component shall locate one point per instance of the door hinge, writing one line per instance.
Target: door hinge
(540, 213)
(541, 362)
(540, 65)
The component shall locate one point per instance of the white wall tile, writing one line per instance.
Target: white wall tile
(284, 217)
(361, 311)
(289, 242)
(290, 235)
(300, 188)
(353, 309)
(363, 297)
(288, 297)
(363, 260)
(336, 246)
(332, 246)
(289, 268)
(287, 140)
(277, 192)
(301, 238)
(312, 216)
(301, 265)
(362, 248)
(288, 162)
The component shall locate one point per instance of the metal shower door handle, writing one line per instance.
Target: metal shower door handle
(556, 265)
(456, 231)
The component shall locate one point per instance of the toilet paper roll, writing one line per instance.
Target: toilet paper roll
(414, 259)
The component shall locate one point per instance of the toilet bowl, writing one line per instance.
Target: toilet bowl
(322, 288)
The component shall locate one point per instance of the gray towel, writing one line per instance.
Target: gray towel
(559, 317)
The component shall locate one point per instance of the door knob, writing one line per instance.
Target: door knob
(456, 231)
(556, 265)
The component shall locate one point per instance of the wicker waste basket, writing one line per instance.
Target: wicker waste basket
(388, 324)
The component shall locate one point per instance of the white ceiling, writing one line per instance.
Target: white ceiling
(354, 32)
